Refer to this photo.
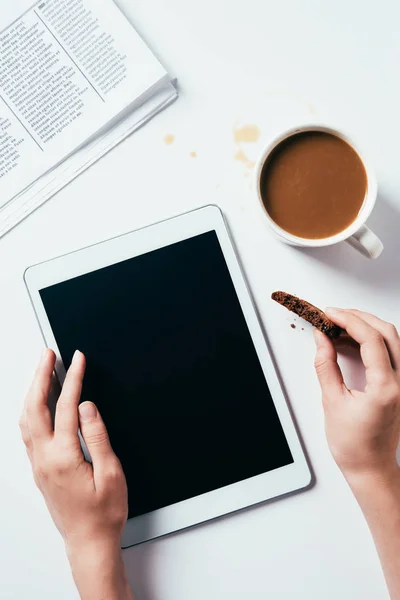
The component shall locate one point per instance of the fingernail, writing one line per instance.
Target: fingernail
(77, 354)
(332, 310)
(87, 411)
(44, 355)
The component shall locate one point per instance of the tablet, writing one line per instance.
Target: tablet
(179, 368)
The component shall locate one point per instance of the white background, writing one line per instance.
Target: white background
(261, 62)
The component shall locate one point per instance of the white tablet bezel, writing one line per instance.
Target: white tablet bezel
(232, 497)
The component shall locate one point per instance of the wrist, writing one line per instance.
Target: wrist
(98, 569)
(94, 549)
(369, 486)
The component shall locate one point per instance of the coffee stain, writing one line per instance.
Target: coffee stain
(246, 133)
(169, 139)
(193, 154)
(242, 157)
(242, 135)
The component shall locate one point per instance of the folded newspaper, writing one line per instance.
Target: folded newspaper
(75, 80)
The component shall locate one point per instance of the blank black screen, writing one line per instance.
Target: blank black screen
(173, 370)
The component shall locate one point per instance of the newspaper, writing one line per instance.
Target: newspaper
(75, 79)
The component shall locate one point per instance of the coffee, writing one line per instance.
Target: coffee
(313, 185)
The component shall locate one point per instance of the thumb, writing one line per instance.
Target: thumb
(328, 371)
(94, 433)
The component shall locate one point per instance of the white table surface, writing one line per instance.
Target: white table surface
(260, 62)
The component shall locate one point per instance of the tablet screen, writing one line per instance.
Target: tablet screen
(172, 367)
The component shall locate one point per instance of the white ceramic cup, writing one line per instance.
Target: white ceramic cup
(357, 234)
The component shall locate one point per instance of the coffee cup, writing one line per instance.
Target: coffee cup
(357, 234)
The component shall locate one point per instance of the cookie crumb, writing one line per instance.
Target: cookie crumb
(193, 154)
(293, 326)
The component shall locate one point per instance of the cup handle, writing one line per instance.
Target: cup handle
(365, 241)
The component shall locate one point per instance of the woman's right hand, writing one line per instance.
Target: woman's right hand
(363, 428)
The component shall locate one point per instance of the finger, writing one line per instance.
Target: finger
(29, 452)
(388, 332)
(345, 341)
(66, 419)
(23, 425)
(374, 353)
(26, 436)
(95, 434)
(328, 371)
(37, 414)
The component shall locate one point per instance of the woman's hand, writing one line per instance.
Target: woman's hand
(88, 502)
(363, 428)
